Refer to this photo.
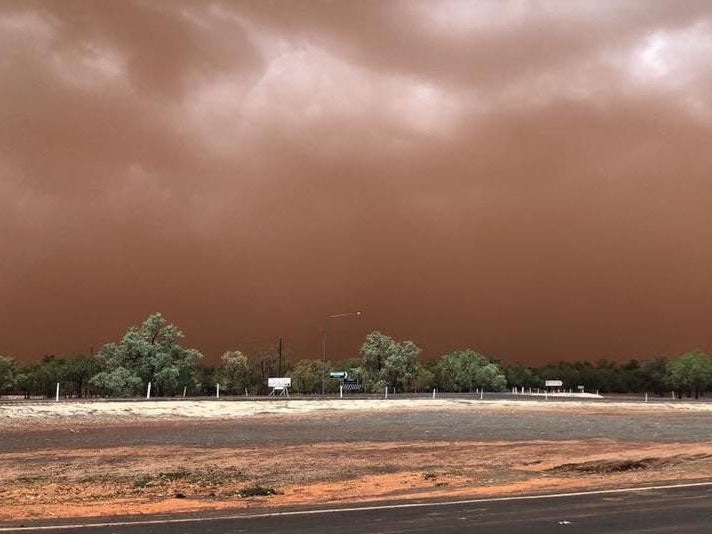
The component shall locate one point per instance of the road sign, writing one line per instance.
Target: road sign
(553, 383)
(338, 375)
(279, 383)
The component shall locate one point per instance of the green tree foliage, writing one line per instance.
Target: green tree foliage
(206, 378)
(306, 376)
(236, 372)
(654, 376)
(8, 374)
(77, 373)
(147, 353)
(690, 373)
(424, 379)
(572, 375)
(41, 378)
(44, 376)
(119, 382)
(605, 376)
(467, 370)
(386, 362)
(519, 375)
(263, 365)
(630, 376)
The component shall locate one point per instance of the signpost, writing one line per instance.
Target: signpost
(345, 383)
(552, 384)
(280, 385)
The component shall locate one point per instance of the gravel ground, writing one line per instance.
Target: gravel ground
(409, 424)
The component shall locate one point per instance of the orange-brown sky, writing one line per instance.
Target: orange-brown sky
(531, 179)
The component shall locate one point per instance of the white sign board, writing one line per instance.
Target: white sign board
(553, 383)
(279, 383)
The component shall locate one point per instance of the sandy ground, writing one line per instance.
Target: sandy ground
(143, 478)
(31, 414)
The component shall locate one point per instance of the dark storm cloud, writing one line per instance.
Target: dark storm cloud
(526, 178)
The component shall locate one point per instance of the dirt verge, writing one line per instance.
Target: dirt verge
(139, 480)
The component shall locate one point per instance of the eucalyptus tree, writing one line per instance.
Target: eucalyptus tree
(690, 373)
(8, 374)
(467, 370)
(235, 374)
(386, 362)
(148, 353)
(307, 376)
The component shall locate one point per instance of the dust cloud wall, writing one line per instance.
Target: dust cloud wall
(530, 179)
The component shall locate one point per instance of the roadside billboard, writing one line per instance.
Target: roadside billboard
(279, 383)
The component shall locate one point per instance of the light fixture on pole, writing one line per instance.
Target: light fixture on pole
(323, 341)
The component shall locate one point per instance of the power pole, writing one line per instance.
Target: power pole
(279, 351)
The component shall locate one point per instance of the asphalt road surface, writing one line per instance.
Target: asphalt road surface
(685, 508)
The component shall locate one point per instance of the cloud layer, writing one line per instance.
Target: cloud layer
(529, 178)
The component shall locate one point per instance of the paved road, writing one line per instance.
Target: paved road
(672, 509)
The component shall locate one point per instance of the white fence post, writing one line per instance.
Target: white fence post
(482, 393)
(57, 395)
(433, 392)
(386, 392)
(217, 392)
(148, 391)
(185, 389)
(341, 392)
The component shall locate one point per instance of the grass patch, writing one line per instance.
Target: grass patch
(211, 477)
(143, 481)
(607, 467)
(181, 474)
(255, 491)
(454, 472)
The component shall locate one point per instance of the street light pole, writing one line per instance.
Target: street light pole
(323, 342)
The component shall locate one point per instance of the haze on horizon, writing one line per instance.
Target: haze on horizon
(530, 179)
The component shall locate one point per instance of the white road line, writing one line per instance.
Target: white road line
(352, 509)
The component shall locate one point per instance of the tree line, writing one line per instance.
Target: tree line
(152, 353)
